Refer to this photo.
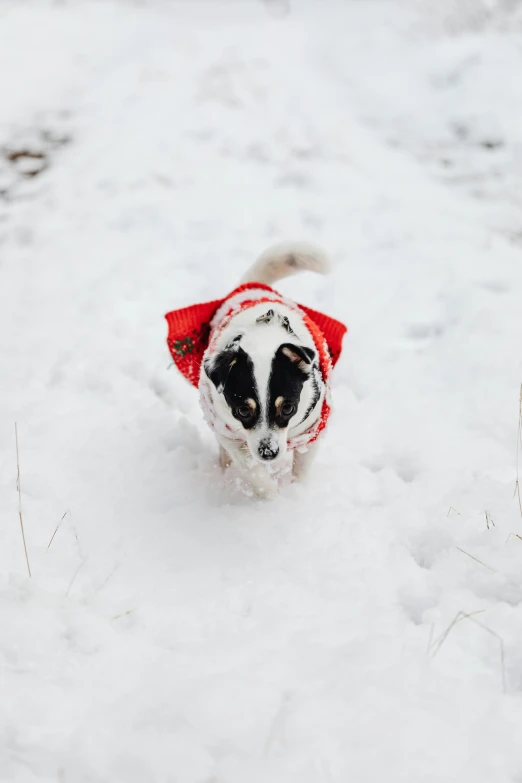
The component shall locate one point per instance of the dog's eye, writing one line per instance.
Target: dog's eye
(244, 412)
(288, 409)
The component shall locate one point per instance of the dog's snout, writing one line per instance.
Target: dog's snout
(268, 450)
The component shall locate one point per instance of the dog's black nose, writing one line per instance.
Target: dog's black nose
(267, 450)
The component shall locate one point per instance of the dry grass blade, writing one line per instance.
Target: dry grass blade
(476, 560)
(450, 509)
(489, 520)
(519, 449)
(430, 638)
(472, 617)
(501, 644)
(515, 535)
(19, 488)
(122, 614)
(74, 578)
(56, 529)
(105, 581)
(437, 644)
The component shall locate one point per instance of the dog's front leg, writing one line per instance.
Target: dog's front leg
(225, 460)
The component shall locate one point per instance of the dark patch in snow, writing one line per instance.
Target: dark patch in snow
(424, 331)
(491, 144)
(27, 156)
(28, 163)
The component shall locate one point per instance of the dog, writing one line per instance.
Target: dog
(264, 369)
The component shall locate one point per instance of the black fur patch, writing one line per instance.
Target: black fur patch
(286, 381)
(232, 373)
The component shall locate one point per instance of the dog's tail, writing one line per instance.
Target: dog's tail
(285, 259)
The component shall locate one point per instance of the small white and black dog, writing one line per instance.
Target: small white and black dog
(264, 381)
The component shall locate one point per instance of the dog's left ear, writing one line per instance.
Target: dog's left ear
(300, 356)
(218, 368)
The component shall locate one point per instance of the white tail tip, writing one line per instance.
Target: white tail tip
(285, 259)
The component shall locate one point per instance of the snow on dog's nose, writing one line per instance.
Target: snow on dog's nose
(268, 449)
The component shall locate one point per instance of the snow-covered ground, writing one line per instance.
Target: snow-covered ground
(176, 631)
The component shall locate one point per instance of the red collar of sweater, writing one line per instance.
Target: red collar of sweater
(189, 331)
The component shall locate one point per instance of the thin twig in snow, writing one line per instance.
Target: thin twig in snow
(501, 644)
(74, 577)
(452, 509)
(122, 614)
(519, 449)
(476, 560)
(56, 528)
(472, 617)
(105, 581)
(18, 485)
(437, 644)
(430, 638)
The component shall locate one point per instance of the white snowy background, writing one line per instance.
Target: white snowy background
(176, 631)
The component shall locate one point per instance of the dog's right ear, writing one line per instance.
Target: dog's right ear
(218, 367)
(300, 355)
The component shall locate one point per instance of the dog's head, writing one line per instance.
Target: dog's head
(265, 382)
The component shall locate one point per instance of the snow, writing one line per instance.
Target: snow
(174, 629)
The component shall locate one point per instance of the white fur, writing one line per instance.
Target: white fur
(238, 445)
